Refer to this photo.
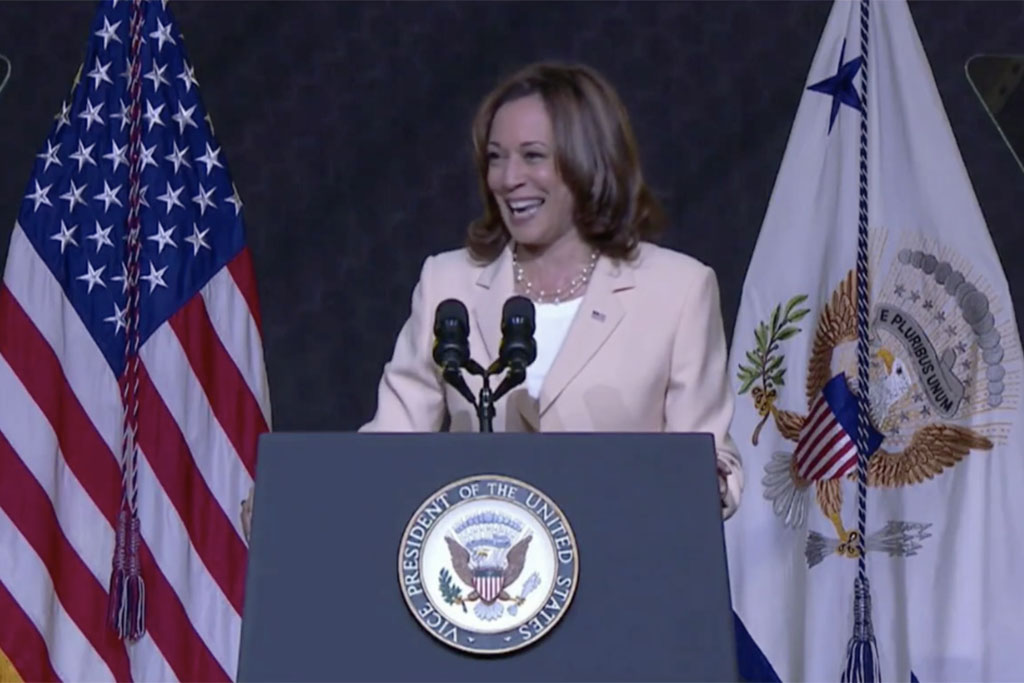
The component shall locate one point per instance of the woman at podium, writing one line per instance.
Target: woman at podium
(629, 335)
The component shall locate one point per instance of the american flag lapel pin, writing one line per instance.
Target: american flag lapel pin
(598, 316)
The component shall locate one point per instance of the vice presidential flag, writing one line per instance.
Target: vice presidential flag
(876, 318)
(132, 377)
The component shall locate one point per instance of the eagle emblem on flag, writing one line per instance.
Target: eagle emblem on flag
(921, 400)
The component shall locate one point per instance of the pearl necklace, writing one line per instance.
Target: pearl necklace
(556, 295)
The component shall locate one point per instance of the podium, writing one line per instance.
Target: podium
(323, 594)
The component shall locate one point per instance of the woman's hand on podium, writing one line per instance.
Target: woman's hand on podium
(247, 514)
(723, 475)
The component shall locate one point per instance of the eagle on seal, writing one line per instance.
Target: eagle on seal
(489, 569)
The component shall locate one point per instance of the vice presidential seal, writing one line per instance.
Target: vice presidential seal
(488, 564)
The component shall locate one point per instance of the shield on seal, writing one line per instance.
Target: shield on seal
(488, 583)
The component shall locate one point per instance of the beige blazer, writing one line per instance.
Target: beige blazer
(645, 353)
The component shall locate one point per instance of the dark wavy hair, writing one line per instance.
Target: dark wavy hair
(595, 155)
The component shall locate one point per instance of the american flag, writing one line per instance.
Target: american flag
(201, 393)
(827, 448)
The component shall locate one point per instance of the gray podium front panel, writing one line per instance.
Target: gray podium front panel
(323, 600)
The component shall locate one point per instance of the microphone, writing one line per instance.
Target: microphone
(451, 334)
(451, 343)
(517, 350)
(518, 347)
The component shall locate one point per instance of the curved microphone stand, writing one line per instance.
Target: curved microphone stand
(7, 76)
(484, 404)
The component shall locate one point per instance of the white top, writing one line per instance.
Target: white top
(552, 325)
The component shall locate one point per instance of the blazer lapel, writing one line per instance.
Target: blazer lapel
(494, 287)
(598, 316)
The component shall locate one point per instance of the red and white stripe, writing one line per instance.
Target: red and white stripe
(825, 450)
(203, 403)
(488, 587)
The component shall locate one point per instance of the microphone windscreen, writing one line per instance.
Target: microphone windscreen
(452, 309)
(451, 334)
(518, 307)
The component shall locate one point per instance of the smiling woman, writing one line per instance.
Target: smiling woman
(561, 134)
(629, 335)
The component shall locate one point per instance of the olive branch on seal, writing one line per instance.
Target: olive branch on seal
(765, 366)
(451, 593)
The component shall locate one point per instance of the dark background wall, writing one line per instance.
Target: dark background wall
(345, 126)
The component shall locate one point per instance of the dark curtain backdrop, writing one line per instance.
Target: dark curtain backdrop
(345, 125)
